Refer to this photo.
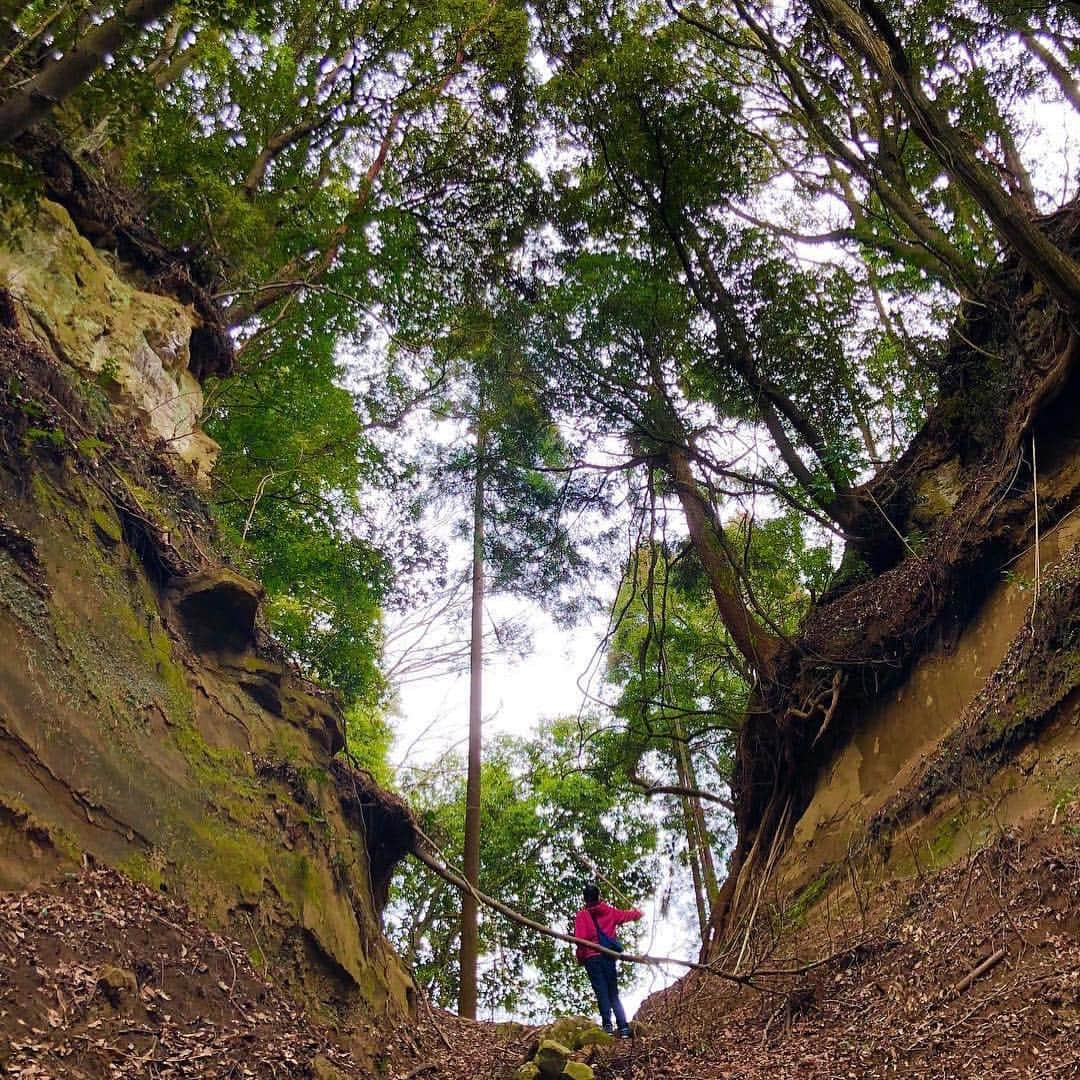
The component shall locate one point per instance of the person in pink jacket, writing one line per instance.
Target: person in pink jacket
(598, 921)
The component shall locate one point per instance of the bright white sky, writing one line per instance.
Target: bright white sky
(433, 717)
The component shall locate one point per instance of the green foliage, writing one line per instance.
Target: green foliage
(682, 687)
(544, 799)
(373, 154)
(293, 462)
(369, 737)
(359, 186)
(534, 541)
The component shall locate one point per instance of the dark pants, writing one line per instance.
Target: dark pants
(605, 983)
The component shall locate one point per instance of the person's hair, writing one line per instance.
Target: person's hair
(592, 893)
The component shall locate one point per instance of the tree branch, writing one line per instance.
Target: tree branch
(59, 79)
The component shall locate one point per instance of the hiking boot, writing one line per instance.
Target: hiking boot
(624, 1033)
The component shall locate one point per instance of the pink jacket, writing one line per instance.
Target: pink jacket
(609, 918)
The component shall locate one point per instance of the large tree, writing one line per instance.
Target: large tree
(706, 144)
(683, 687)
(521, 505)
(61, 74)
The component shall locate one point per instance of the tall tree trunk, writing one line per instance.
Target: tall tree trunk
(470, 937)
(1064, 78)
(695, 839)
(695, 863)
(58, 79)
(705, 883)
(708, 866)
(757, 645)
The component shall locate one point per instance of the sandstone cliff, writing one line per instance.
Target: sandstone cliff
(147, 721)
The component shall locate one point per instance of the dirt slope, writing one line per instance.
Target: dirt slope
(101, 976)
(104, 977)
(891, 1001)
(881, 979)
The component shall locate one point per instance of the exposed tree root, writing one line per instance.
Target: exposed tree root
(965, 488)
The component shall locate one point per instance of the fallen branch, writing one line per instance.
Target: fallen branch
(435, 1023)
(422, 852)
(981, 969)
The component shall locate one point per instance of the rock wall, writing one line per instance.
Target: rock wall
(77, 304)
(916, 686)
(147, 722)
(920, 779)
(982, 734)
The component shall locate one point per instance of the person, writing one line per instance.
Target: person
(594, 917)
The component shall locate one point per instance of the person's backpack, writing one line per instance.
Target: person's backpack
(605, 941)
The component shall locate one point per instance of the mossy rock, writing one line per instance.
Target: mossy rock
(529, 1071)
(116, 983)
(566, 1029)
(107, 527)
(134, 344)
(577, 1070)
(321, 1069)
(593, 1036)
(551, 1058)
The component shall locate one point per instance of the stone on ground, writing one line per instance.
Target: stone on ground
(577, 1070)
(593, 1036)
(551, 1058)
(116, 982)
(322, 1069)
(566, 1029)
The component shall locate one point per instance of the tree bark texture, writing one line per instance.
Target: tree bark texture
(58, 79)
(882, 51)
(756, 644)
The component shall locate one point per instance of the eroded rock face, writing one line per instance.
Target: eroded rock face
(144, 726)
(980, 736)
(136, 344)
(218, 609)
(147, 721)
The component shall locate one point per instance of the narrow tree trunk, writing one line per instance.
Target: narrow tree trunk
(58, 79)
(470, 937)
(705, 882)
(694, 836)
(169, 73)
(695, 863)
(708, 866)
(274, 147)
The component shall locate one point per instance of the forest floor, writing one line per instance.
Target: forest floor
(895, 996)
(102, 977)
